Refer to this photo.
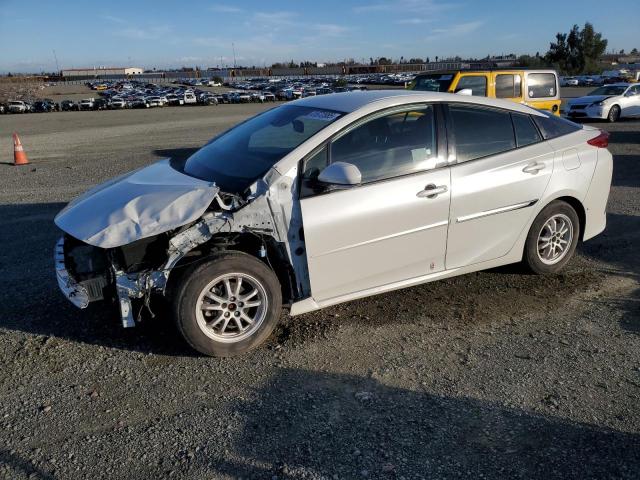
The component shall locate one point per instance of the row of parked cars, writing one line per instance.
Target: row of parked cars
(590, 80)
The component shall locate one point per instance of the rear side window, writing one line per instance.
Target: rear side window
(526, 131)
(508, 86)
(476, 83)
(480, 132)
(541, 85)
(552, 126)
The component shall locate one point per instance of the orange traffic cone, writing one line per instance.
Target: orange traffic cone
(19, 157)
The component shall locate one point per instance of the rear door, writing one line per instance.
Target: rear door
(389, 228)
(502, 169)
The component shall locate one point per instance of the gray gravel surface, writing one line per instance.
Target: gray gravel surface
(495, 375)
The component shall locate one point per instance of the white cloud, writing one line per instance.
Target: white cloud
(141, 33)
(113, 19)
(411, 21)
(404, 6)
(457, 30)
(219, 8)
(274, 18)
(330, 29)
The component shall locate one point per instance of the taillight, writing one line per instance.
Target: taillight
(601, 141)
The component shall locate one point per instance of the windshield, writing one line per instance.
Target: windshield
(609, 90)
(245, 153)
(437, 82)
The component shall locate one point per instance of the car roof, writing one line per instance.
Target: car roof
(352, 101)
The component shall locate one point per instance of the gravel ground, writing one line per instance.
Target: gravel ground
(494, 375)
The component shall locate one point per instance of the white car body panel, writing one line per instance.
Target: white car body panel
(489, 194)
(385, 221)
(137, 205)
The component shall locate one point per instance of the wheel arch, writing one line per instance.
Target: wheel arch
(576, 205)
(247, 243)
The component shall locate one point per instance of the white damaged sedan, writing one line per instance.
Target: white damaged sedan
(330, 199)
(609, 102)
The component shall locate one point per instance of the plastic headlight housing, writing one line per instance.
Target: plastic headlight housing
(598, 104)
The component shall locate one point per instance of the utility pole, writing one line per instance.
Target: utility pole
(233, 47)
(56, 58)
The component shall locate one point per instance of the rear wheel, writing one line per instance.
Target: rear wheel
(614, 114)
(552, 239)
(227, 306)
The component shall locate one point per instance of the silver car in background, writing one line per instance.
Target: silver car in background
(333, 198)
(609, 102)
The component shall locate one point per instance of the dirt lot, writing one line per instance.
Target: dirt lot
(490, 375)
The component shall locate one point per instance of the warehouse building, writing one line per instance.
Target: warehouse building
(101, 71)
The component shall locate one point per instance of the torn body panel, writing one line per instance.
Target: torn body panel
(141, 204)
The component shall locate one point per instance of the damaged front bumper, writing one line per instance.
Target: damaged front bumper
(76, 293)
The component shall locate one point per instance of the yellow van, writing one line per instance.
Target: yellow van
(536, 88)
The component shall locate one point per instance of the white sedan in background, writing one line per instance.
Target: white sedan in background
(610, 102)
(333, 198)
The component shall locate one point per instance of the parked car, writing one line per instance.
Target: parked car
(610, 102)
(100, 104)
(117, 103)
(3, 108)
(154, 102)
(174, 99)
(68, 105)
(537, 88)
(568, 82)
(189, 98)
(86, 104)
(18, 106)
(43, 106)
(334, 198)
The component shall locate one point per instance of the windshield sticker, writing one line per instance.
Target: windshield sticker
(322, 115)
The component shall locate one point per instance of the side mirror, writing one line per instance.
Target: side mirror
(465, 91)
(340, 173)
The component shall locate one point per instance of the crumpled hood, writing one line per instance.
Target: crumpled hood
(589, 99)
(140, 204)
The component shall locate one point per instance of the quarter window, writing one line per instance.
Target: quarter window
(390, 146)
(541, 85)
(526, 131)
(476, 83)
(480, 132)
(508, 86)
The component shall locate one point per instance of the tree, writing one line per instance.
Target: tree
(634, 51)
(577, 51)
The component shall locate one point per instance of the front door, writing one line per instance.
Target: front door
(389, 228)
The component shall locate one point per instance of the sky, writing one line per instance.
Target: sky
(163, 34)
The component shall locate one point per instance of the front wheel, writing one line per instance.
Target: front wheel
(552, 239)
(227, 306)
(614, 114)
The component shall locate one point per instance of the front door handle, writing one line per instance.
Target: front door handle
(533, 168)
(432, 191)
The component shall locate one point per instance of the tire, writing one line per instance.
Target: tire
(614, 114)
(212, 327)
(551, 260)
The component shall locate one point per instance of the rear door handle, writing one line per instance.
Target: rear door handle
(432, 191)
(533, 168)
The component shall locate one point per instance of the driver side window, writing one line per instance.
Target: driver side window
(385, 147)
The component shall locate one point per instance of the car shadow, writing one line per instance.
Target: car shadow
(307, 424)
(17, 467)
(626, 171)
